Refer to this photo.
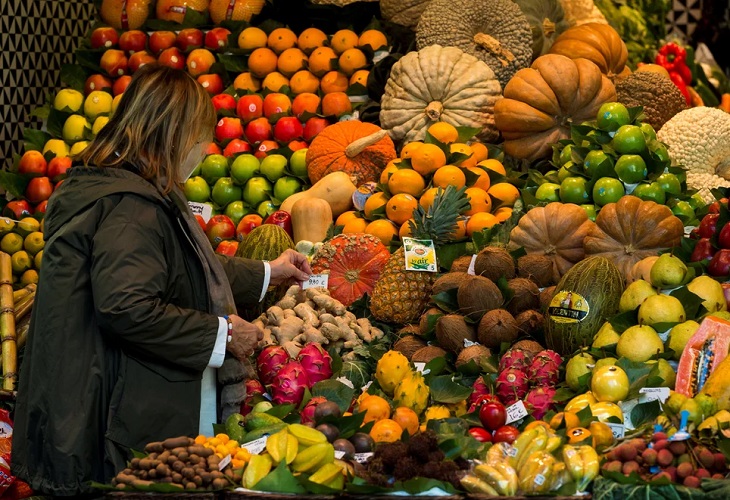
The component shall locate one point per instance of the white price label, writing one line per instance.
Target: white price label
(361, 458)
(316, 281)
(224, 462)
(204, 210)
(618, 430)
(516, 412)
(257, 446)
(346, 381)
(339, 455)
(471, 265)
(539, 479)
(511, 451)
(421, 367)
(653, 393)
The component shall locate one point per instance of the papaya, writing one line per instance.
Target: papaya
(704, 354)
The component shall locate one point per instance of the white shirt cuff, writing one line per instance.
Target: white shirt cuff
(267, 279)
(219, 350)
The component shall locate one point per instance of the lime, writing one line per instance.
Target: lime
(566, 154)
(34, 242)
(611, 116)
(683, 208)
(37, 260)
(69, 100)
(21, 262)
(593, 159)
(28, 277)
(97, 103)
(650, 192)
(28, 225)
(661, 152)
(196, 190)
(75, 128)
(649, 132)
(629, 139)
(11, 243)
(548, 191)
(670, 183)
(6, 225)
(591, 211)
(631, 169)
(564, 173)
(573, 190)
(607, 190)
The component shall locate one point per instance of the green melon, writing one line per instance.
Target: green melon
(265, 242)
(586, 296)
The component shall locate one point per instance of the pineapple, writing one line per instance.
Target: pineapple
(400, 296)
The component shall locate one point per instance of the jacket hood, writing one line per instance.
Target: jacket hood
(84, 186)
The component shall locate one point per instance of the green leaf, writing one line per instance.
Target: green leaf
(447, 254)
(334, 391)
(691, 301)
(219, 429)
(457, 158)
(42, 112)
(645, 413)
(35, 139)
(281, 411)
(233, 63)
(347, 425)
(13, 183)
(446, 300)
(280, 480)
(435, 367)
(445, 390)
(74, 76)
(507, 293)
(466, 133)
(623, 321)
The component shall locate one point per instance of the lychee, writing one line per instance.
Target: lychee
(630, 467)
(678, 448)
(664, 458)
(626, 452)
(613, 466)
(685, 469)
(658, 436)
(684, 458)
(720, 464)
(672, 471)
(662, 444)
(639, 444)
(691, 482)
(718, 476)
(706, 458)
(702, 473)
(649, 455)
(661, 475)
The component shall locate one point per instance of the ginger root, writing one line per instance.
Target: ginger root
(308, 314)
(366, 331)
(323, 300)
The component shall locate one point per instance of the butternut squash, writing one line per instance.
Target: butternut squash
(310, 219)
(335, 188)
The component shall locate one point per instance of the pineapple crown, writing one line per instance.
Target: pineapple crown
(441, 218)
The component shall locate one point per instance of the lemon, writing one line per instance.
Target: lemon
(11, 243)
(37, 260)
(28, 225)
(75, 127)
(68, 98)
(34, 242)
(28, 277)
(21, 262)
(6, 225)
(97, 103)
(99, 124)
(57, 147)
(78, 147)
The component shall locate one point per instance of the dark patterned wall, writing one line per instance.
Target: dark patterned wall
(36, 38)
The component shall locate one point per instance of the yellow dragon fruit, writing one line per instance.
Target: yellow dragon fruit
(412, 392)
(436, 412)
(391, 369)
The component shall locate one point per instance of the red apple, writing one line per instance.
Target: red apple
(264, 148)
(224, 102)
(57, 168)
(189, 39)
(237, 146)
(276, 103)
(505, 434)
(201, 222)
(17, 209)
(481, 435)
(97, 82)
(720, 263)
(228, 128)
(227, 248)
(217, 38)
(715, 206)
(287, 129)
(133, 41)
(33, 164)
(173, 58)
(703, 250)
(213, 149)
(258, 130)
(250, 107)
(40, 209)
(114, 62)
(493, 415)
(212, 83)
(139, 59)
(723, 239)
(708, 225)
(726, 292)
(121, 84)
(247, 224)
(295, 145)
(314, 126)
(281, 218)
(104, 38)
(219, 228)
(38, 189)
(161, 40)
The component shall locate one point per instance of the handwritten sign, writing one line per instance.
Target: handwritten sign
(256, 446)
(202, 209)
(516, 411)
(654, 393)
(224, 462)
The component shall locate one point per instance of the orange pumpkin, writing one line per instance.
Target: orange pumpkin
(599, 43)
(357, 148)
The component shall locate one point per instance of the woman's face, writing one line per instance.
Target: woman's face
(194, 157)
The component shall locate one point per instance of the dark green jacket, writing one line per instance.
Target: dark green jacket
(119, 335)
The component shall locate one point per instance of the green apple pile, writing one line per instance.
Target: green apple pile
(23, 241)
(245, 184)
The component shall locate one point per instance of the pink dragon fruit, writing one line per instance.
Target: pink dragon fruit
(269, 362)
(480, 390)
(253, 389)
(289, 384)
(514, 358)
(317, 363)
(544, 371)
(512, 384)
(307, 413)
(539, 401)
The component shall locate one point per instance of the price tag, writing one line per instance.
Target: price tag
(346, 381)
(361, 458)
(618, 430)
(316, 281)
(420, 255)
(539, 479)
(653, 394)
(224, 462)
(339, 455)
(257, 446)
(202, 209)
(471, 265)
(511, 451)
(516, 412)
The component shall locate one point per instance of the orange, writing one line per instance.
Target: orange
(134, 11)
(343, 40)
(261, 62)
(275, 81)
(459, 147)
(482, 178)
(460, 230)
(493, 164)
(503, 213)
(567, 419)
(375, 408)
(336, 103)
(382, 229)
(374, 202)
(252, 38)
(400, 207)
(481, 152)
(538, 423)
(444, 132)
(321, 60)
(290, 61)
(428, 197)
(409, 148)
(345, 217)
(374, 38)
(355, 225)
(389, 169)
(405, 229)
(246, 81)
(449, 175)
(281, 39)
(479, 200)
(352, 60)
(304, 82)
(504, 194)
(386, 431)
(407, 181)
(334, 81)
(238, 10)
(310, 39)
(200, 439)
(427, 159)
(480, 221)
(407, 419)
(360, 76)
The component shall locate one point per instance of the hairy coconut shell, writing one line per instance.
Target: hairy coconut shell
(474, 352)
(477, 295)
(493, 263)
(497, 326)
(408, 345)
(427, 354)
(460, 264)
(452, 330)
(530, 322)
(527, 295)
(408, 330)
(448, 281)
(528, 346)
(423, 326)
(538, 268)
(546, 296)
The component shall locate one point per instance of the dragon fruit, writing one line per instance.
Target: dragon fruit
(480, 389)
(512, 385)
(514, 358)
(253, 389)
(269, 362)
(539, 401)
(544, 369)
(289, 384)
(317, 363)
(307, 413)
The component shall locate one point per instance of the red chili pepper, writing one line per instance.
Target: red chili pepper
(671, 56)
(679, 82)
(685, 73)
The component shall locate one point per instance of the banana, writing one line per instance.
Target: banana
(498, 453)
(553, 443)
(560, 476)
(522, 442)
(510, 474)
(574, 462)
(591, 466)
(473, 484)
(493, 477)
(536, 473)
(537, 444)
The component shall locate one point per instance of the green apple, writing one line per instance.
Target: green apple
(266, 208)
(298, 163)
(225, 192)
(286, 186)
(197, 170)
(244, 167)
(75, 128)
(235, 210)
(548, 191)
(273, 166)
(214, 167)
(196, 189)
(256, 191)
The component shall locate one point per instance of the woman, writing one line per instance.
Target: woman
(133, 306)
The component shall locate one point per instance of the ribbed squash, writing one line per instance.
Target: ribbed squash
(578, 12)
(403, 12)
(599, 43)
(547, 21)
(357, 148)
(542, 101)
(629, 230)
(353, 262)
(557, 231)
(439, 84)
(311, 218)
(494, 31)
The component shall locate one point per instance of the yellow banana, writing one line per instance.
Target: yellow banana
(511, 475)
(522, 442)
(473, 484)
(537, 444)
(553, 443)
(536, 473)
(591, 466)
(498, 453)
(574, 462)
(492, 477)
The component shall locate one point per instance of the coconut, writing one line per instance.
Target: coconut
(530, 322)
(495, 327)
(448, 281)
(527, 295)
(538, 268)
(546, 296)
(493, 263)
(452, 330)
(427, 354)
(475, 352)
(408, 330)
(460, 264)
(529, 347)
(423, 324)
(477, 295)
(408, 345)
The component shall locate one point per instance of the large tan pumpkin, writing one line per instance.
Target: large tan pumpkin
(557, 231)
(439, 84)
(599, 43)
(403, 12)
(629, 230)
(541, 102)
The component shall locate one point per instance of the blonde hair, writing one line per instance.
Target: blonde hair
(162, 116)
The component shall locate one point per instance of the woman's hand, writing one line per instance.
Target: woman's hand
(244, 338)
(290, 266)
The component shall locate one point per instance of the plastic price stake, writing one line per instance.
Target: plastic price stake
(339, 455)
(516, 411)
(224, 462)
(316, 281)
(257, 446)
(471, 265)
